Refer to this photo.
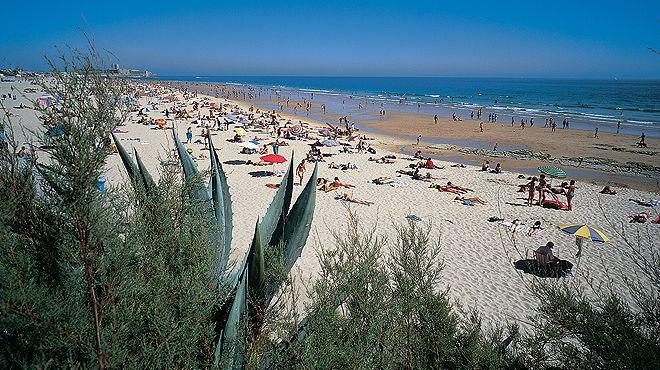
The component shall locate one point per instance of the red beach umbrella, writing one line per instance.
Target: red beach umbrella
(273, 158)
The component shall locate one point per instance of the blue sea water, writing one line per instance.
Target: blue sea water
(586, 103)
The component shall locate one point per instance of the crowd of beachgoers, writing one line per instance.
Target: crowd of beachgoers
(494, 224)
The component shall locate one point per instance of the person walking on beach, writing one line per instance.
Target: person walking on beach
(418, 137)
(189, 135)
(435, 118)
(300, 171)
(596, 133)
(618, 127)
(553, 126)
(481, 127)
(642, 139)
(495, 147)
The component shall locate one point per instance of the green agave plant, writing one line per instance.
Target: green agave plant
(284, 228)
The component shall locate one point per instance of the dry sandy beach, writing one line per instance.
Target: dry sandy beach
(479, 255)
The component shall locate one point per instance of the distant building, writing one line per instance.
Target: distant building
(117, 71)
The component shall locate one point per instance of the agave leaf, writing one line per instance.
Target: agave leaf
(130, 166)
(256, 279)
(228, 354)
(299, 222)
(147, 180)
(288, 194)
(277, 208)
(222, 209)
(190, 171)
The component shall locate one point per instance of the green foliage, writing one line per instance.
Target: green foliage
(372, 310)
(91, 279)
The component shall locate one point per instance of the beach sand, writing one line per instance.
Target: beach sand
(478, 255)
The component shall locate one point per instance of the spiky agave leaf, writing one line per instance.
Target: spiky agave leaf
(287, 182)
(256, 270)
(137, 173)
(278, 207)
(228, 353)
(190, 171)
(146, 178)
(130, 166)
(299, 222)
(219, 189)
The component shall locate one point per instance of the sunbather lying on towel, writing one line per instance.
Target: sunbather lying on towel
(472, 199)
(382, 180)
(381, 160)
(645, 203)
(337, 184)
(640, 218)
(347, 198)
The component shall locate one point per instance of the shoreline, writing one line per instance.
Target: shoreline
(609, 160)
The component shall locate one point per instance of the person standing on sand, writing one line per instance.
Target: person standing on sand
(189, 135)
(596, 133)
(435, 118)
(642, 139)
(495, 147)
(570, 193)
(418, 137)
(541, 187)
(300, 171)
(512, 121)
(481, 127)
(531, 190)
(618, 127)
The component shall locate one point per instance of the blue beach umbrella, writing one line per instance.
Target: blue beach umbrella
(330, 143)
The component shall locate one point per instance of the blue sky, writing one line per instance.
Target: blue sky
(564, 39)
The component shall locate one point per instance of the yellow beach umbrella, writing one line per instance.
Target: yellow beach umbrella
(584, 231)
(240, 131)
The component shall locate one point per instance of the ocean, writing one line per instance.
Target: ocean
(587, 104)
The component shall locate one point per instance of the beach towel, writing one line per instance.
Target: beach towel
(397, 184)
(414, 218)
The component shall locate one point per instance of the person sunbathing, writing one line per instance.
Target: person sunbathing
(472, 199)
(458, 165)
(645, 203)
(382, 180)
(260, 163)
(608, 191)
(337, 184)
(640, 218)
(406, 172)
(347, 198)
(384, 160)
(535, 228)
(459, 188)
(446, 189)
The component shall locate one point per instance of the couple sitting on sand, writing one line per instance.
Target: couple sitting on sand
(486, 167)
